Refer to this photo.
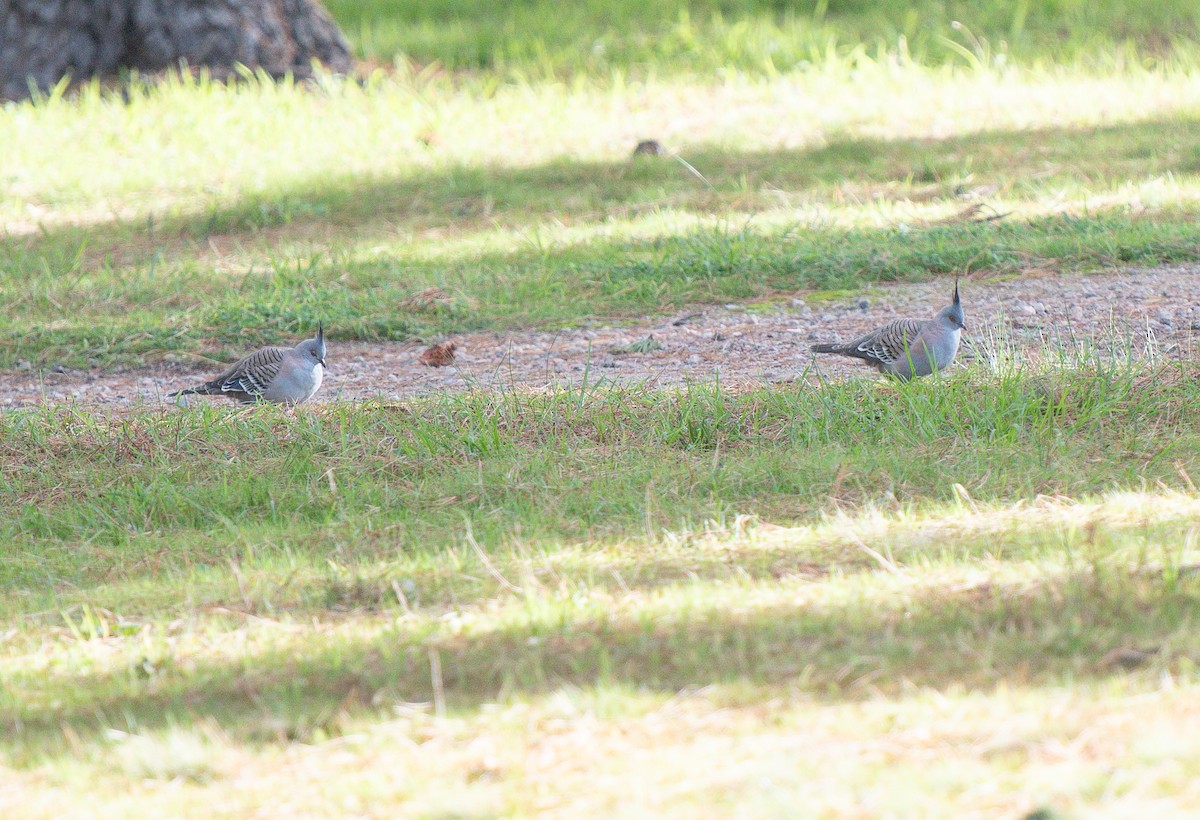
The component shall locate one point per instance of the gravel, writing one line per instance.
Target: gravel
(1136, 310)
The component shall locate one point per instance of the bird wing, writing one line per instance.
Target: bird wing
(252, 374)
(889, 343)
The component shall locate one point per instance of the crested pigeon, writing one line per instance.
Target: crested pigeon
(284, 375)
(908, 348)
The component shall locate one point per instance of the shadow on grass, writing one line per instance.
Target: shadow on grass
(120, 292)
(464, 199)
(1044, 630)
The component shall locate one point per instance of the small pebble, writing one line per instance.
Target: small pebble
(863, 304)
(1163, 316)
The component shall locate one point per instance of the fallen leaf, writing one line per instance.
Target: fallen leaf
(439, 355)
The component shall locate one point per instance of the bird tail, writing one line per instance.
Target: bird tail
(206, 389)
(826, 348)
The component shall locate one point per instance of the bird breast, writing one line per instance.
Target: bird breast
(296, 382)
(318, 373)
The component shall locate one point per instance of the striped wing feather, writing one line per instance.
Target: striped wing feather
(252, 374)
(887, 344)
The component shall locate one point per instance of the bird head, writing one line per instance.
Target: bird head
(953, 312)
(314, 348)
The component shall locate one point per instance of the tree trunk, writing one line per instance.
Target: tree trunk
(43, 40)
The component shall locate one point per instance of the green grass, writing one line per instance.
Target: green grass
(126, 322)
(544, 39)
(569, 466)
(973, 595)
(195, 587)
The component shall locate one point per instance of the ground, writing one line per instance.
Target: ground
(1136, 311)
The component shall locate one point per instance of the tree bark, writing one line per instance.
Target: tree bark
(42, 41)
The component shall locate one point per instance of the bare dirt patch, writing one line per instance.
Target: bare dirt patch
(1141, 311)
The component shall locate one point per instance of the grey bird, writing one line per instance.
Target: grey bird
(282, 375)
(908, 348)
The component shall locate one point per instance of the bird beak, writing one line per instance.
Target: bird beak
(322, 363)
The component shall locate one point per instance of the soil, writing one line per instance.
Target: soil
(1138, 311)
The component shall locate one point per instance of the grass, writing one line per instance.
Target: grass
(543, 39)
(125, 323)
(973, 595)
(560, 464)
(547, 222)
(598, 559)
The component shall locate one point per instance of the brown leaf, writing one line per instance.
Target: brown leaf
(440, 355)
